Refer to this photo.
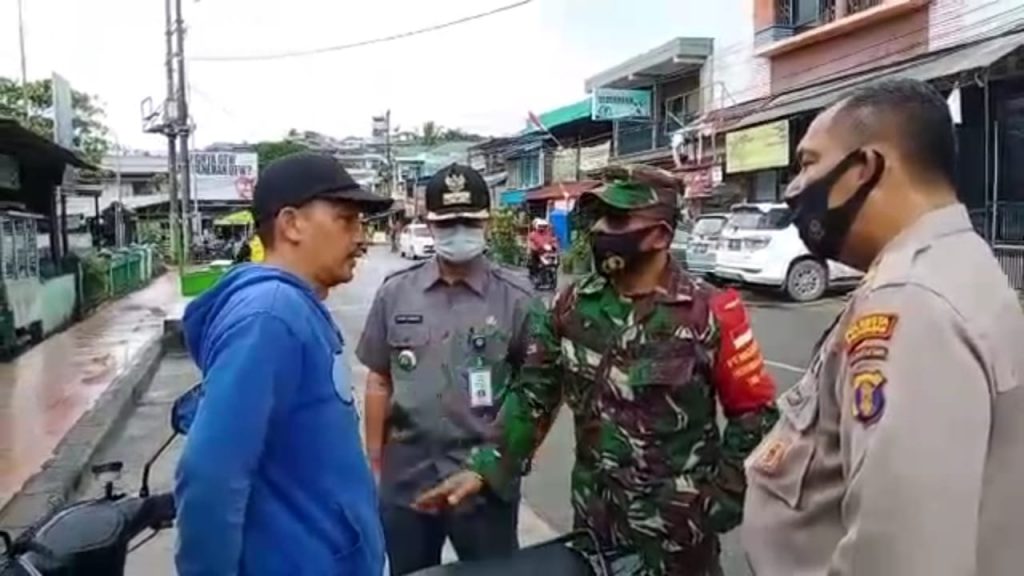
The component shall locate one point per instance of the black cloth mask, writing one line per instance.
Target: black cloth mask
(823, 229)
(615, 254)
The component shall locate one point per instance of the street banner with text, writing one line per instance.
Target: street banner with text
(224, 175)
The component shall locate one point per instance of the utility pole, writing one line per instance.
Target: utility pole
(24, 69)
(171, 117)
(183, 132)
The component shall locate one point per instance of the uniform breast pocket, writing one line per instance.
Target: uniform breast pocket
(781, 462)
(652, 389)
(407, 343)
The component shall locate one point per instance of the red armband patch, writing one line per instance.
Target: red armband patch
(740, 377)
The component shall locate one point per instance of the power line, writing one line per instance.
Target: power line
(381, 40)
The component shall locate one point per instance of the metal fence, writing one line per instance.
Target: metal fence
(1011, 258)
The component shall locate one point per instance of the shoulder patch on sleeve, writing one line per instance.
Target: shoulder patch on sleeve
(876, 326)
(868, 395)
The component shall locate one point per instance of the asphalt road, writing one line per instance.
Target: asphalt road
(787, 333)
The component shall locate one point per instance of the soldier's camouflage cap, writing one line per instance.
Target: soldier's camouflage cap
(635, 188)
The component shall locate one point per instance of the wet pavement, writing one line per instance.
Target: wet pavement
(46, 390)
(787, 333)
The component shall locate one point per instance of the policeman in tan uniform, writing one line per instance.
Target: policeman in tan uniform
(901, 451)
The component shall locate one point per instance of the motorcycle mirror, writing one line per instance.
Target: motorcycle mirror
(183, 413)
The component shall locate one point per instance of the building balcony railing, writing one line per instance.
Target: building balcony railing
(805, 14)
(637, 137)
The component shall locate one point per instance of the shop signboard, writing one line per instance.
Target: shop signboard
(613, 104)
(563, 165)
(224, 175)
(698, 183)
(757, 148)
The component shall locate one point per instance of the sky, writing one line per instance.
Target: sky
(483, 76)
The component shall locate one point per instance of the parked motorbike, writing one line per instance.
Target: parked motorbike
(95, 536)
(545, 276)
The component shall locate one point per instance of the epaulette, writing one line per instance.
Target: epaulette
(513, 277)
(402, 271)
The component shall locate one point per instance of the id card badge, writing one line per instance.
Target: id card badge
(481, 394)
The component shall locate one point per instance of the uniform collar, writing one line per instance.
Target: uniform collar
(932, 225)
(674, 287)
(476, 281)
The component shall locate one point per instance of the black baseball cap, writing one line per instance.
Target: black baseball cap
(298, 178)
(457, 191)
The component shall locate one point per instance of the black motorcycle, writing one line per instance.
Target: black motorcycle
(94, 537)
(545, 273)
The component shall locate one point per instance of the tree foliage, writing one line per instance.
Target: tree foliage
(91, 135)
(267, 152)
(432, 134)
(503, 239)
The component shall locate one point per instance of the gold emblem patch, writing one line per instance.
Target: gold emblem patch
(870, 327)
(868, 395)
(771, 456)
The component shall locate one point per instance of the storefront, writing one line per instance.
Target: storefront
(760, 156)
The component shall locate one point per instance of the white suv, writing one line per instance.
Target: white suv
(416, 242)
(760, 246)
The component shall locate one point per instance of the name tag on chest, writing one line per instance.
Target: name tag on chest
(481, 393)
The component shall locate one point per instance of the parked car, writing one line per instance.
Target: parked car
(680, 241)
(759, 245)
(703, 246)
(416, 242)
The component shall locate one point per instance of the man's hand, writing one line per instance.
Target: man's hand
(450, 493)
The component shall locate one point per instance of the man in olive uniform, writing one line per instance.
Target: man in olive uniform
(901, 451)
(643, 355)
(441, 341)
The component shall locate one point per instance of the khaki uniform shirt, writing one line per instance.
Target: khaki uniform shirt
(431, 337)
(901, 451)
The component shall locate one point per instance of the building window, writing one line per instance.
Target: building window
(809, 13)
(680, 111)
(525, 172)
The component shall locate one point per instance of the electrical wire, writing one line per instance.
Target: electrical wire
(952, 32)
(362, 43)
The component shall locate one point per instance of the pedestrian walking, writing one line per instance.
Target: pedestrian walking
(441, 342)
(273, 479)
(644, 355)
(902, 448)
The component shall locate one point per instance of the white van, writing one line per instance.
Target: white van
(760, 246)
(416, 242)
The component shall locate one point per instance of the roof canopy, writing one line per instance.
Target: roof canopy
(674, 57)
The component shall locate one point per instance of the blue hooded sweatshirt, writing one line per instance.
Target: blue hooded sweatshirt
(273, 479)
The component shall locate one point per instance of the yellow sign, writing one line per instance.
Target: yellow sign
(870, 327)
(757, 148)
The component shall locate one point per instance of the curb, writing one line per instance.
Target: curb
(51, 486)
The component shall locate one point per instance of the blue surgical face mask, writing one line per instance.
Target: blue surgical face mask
(459, 243)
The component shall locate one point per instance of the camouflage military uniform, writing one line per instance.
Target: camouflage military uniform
(653, 475)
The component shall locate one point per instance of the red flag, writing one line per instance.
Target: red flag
(535, 120)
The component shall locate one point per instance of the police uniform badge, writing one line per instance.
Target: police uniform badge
(455, 193)
(868, 395)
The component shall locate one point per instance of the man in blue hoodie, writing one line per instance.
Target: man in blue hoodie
(273, 479)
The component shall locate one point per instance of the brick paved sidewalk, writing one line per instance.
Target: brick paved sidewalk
(47, 389)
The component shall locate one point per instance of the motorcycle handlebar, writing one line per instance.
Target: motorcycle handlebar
(154, 512)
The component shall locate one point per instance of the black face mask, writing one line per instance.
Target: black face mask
(616, 254)
(823, 229)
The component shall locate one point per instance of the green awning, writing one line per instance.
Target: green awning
(566, 114)
(240, 218)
